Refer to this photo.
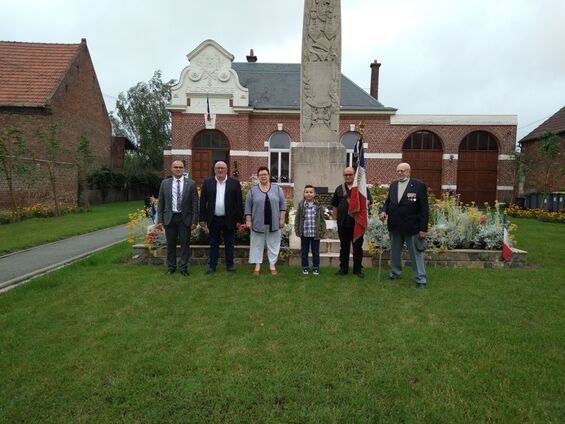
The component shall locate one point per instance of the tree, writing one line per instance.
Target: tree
(84, 160)
(12, 150)
(52, 146)
(549, 151)
(141, 115)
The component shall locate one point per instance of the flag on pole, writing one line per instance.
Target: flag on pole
(153, 212)
(208, 117)
(506, 250)
(358, 203)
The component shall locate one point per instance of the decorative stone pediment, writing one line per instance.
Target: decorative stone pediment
(209, 82)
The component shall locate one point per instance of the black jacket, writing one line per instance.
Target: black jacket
(233, 201)
(409, 215)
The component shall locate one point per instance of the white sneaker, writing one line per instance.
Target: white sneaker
(316, 272)
(305, 271)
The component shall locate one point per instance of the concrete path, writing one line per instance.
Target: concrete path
(21, 266)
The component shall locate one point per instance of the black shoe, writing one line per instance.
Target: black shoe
(391, 278)
(360, 274)
(210, 271)
(184, 273)
(420, 285)
(230, 269)
(341, 272)
(170, 272)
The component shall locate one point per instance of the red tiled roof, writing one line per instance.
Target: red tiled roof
(30, 72)
(555, 123)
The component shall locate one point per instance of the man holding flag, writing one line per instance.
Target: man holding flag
(350, 202)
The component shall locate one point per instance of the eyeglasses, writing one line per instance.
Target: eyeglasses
(348, 175)
(178, 167)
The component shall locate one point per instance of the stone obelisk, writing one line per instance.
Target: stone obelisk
(319, 158)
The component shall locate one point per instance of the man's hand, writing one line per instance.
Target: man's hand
(422, 234)
(192, 227)
(383, 216)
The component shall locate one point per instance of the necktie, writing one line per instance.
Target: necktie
(178, 195)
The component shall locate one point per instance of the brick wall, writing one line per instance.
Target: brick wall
(76, 107)
(534, 179)
(250, 132)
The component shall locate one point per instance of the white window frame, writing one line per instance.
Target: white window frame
(279, 151)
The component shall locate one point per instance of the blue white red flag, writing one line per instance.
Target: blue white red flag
(153, 212)
(506, 246)
(208, 117)
(358, 202)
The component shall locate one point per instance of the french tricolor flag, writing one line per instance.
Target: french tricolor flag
(358, 203)
(506, 250)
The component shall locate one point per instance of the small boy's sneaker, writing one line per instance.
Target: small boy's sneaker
(316, 272)
(305, 271)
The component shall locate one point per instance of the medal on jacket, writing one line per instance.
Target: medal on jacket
(411, 197)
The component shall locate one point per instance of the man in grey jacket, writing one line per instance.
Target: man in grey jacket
(178, 212)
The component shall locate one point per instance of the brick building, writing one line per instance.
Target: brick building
(43, 84)
(248, 114)
(535, 176)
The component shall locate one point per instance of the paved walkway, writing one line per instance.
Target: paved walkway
(21, 266)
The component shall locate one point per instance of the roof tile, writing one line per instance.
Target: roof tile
(30, 72)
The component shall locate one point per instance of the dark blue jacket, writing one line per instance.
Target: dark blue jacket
(409, 215)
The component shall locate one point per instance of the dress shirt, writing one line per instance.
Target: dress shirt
(402, 188)
(181, 179)
(220, 207)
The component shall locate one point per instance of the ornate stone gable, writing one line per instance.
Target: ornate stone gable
(209, 82)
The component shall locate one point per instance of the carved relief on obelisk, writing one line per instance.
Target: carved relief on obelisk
(319, 158)
(321, 70)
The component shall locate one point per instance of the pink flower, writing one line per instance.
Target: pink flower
(483, 219)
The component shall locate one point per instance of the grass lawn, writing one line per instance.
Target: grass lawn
(101, 341)
(36, 231)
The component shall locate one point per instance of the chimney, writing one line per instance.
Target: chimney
(375, 79)
(251, 58)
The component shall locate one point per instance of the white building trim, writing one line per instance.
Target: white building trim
(448, 187)
(173, 152)
(504, 188)
(249, 153)
(450, 156)
(454, 120)
(505, 157)
(383, 155)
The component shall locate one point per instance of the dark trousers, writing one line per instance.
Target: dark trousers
(177, 230)
(305, 244)
(345, 239)
(218, 227)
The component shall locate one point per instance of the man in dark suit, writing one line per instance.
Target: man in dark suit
(406, 208)
(346, 226)
(178, 212)
(221, 208)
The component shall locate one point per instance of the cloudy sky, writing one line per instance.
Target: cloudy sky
(438, 56)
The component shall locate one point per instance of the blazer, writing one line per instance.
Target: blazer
(189, 202)
(233, 201)
(409, 214)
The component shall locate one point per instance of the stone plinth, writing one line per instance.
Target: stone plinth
(463, 258)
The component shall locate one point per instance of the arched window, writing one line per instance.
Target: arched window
(349, 140)
(210, 139)
(423, 151)
(478, 141)
(279, 157)
(422, 140)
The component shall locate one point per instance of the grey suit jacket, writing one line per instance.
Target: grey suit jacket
(189, 202)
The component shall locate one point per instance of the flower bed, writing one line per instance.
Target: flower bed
(539, 214)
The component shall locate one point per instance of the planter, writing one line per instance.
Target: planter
(199, 255)
(463, 258)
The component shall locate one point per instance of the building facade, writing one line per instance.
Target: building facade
(43, 85)
(248, 114)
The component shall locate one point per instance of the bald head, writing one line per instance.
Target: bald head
(403, 170)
